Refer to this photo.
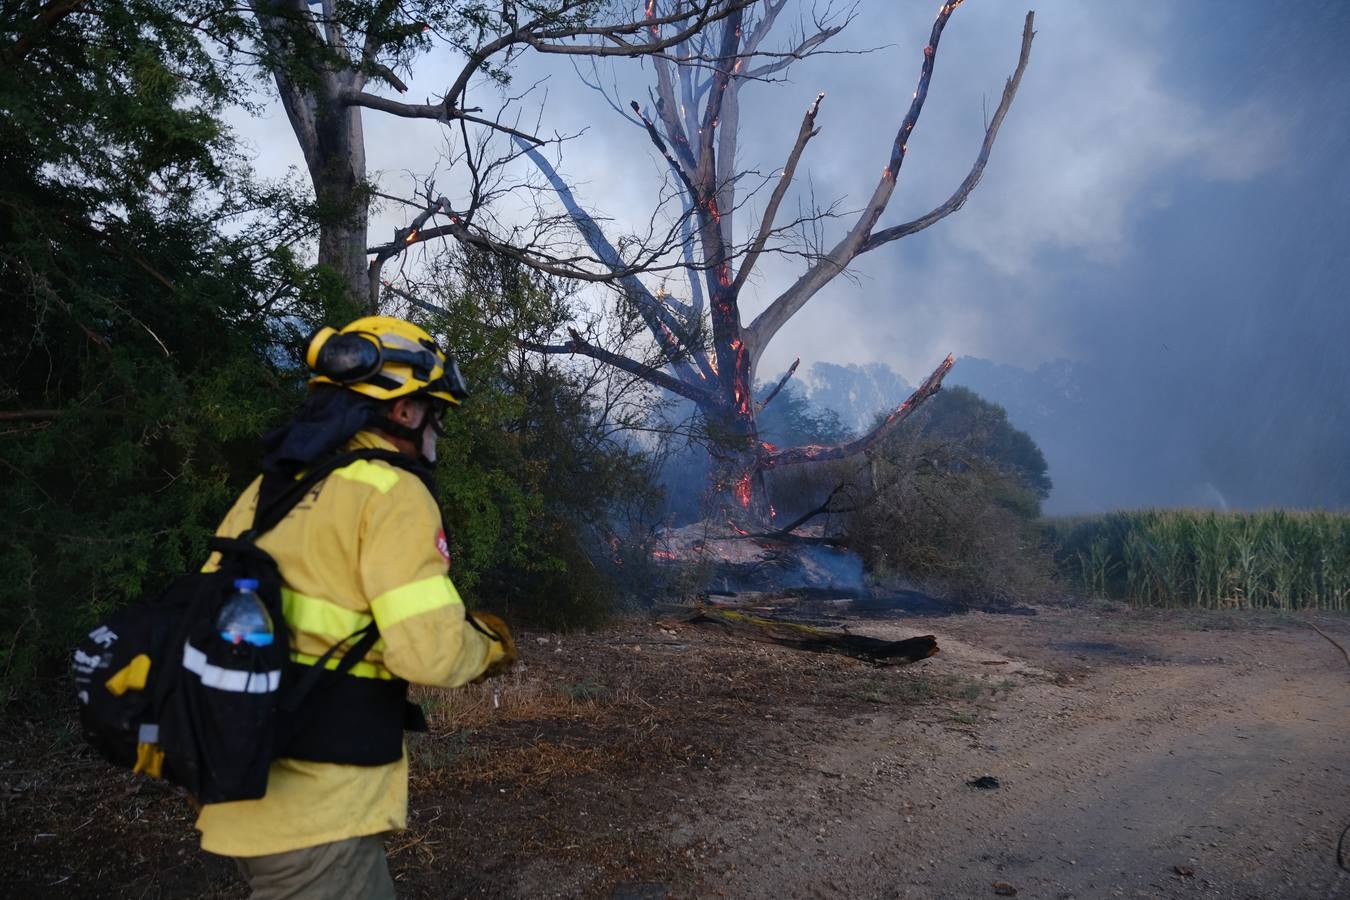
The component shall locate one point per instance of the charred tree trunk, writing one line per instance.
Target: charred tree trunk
(737, 471)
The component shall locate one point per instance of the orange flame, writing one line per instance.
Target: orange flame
(743, 492)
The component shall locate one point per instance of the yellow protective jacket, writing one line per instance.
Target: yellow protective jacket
(366, 543)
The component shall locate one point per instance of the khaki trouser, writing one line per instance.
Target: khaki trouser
(355, 868)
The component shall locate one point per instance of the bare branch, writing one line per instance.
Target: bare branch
(804, 49)
(665, 151)
(804, 134)
(578, 344)
(403, 238)
(820, 510)
(759, 407)
(542, 39)
(769, 13)
(796, 455)
(299, 102)
(768, 322)
(958, 199)
(672, 336)
(387, 74)
(667, 107)
(437, 111)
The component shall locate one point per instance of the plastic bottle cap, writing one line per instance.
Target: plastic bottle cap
(246, 584)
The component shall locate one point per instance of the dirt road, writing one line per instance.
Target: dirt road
(1136, 755)
(1133, 760)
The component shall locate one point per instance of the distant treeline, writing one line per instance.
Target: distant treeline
(1210, 560)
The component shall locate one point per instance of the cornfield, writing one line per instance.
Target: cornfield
(1210, 560)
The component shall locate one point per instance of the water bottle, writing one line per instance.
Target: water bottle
(243, 618)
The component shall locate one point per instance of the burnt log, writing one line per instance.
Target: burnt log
(816, 640)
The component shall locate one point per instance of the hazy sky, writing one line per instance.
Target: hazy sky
(1169, 197)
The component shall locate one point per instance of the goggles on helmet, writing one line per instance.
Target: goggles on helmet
(356, 357)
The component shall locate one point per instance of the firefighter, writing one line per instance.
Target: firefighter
(366, 545)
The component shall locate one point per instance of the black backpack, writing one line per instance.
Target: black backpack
(160, 692)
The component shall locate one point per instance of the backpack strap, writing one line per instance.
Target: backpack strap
(367, 638)
(278, 495)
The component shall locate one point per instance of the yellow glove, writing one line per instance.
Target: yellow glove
(502, 652)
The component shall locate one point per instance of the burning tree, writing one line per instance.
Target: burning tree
(694, 125)
(332, 60)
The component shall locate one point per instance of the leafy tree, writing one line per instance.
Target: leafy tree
(950, 499)
(137, 363)
(973, 431)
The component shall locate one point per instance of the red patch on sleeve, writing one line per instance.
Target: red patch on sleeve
(443, 546)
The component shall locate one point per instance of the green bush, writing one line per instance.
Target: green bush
(948, 499)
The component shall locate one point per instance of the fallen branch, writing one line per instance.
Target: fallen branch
(817, 640)
(20, 415)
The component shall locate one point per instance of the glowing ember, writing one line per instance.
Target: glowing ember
(663, 554)
(743, 491)
(412, 236)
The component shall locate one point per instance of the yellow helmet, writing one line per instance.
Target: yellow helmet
(384, 358)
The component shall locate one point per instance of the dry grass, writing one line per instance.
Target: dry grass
(534, 764)
(609, 730)
(518, 697)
